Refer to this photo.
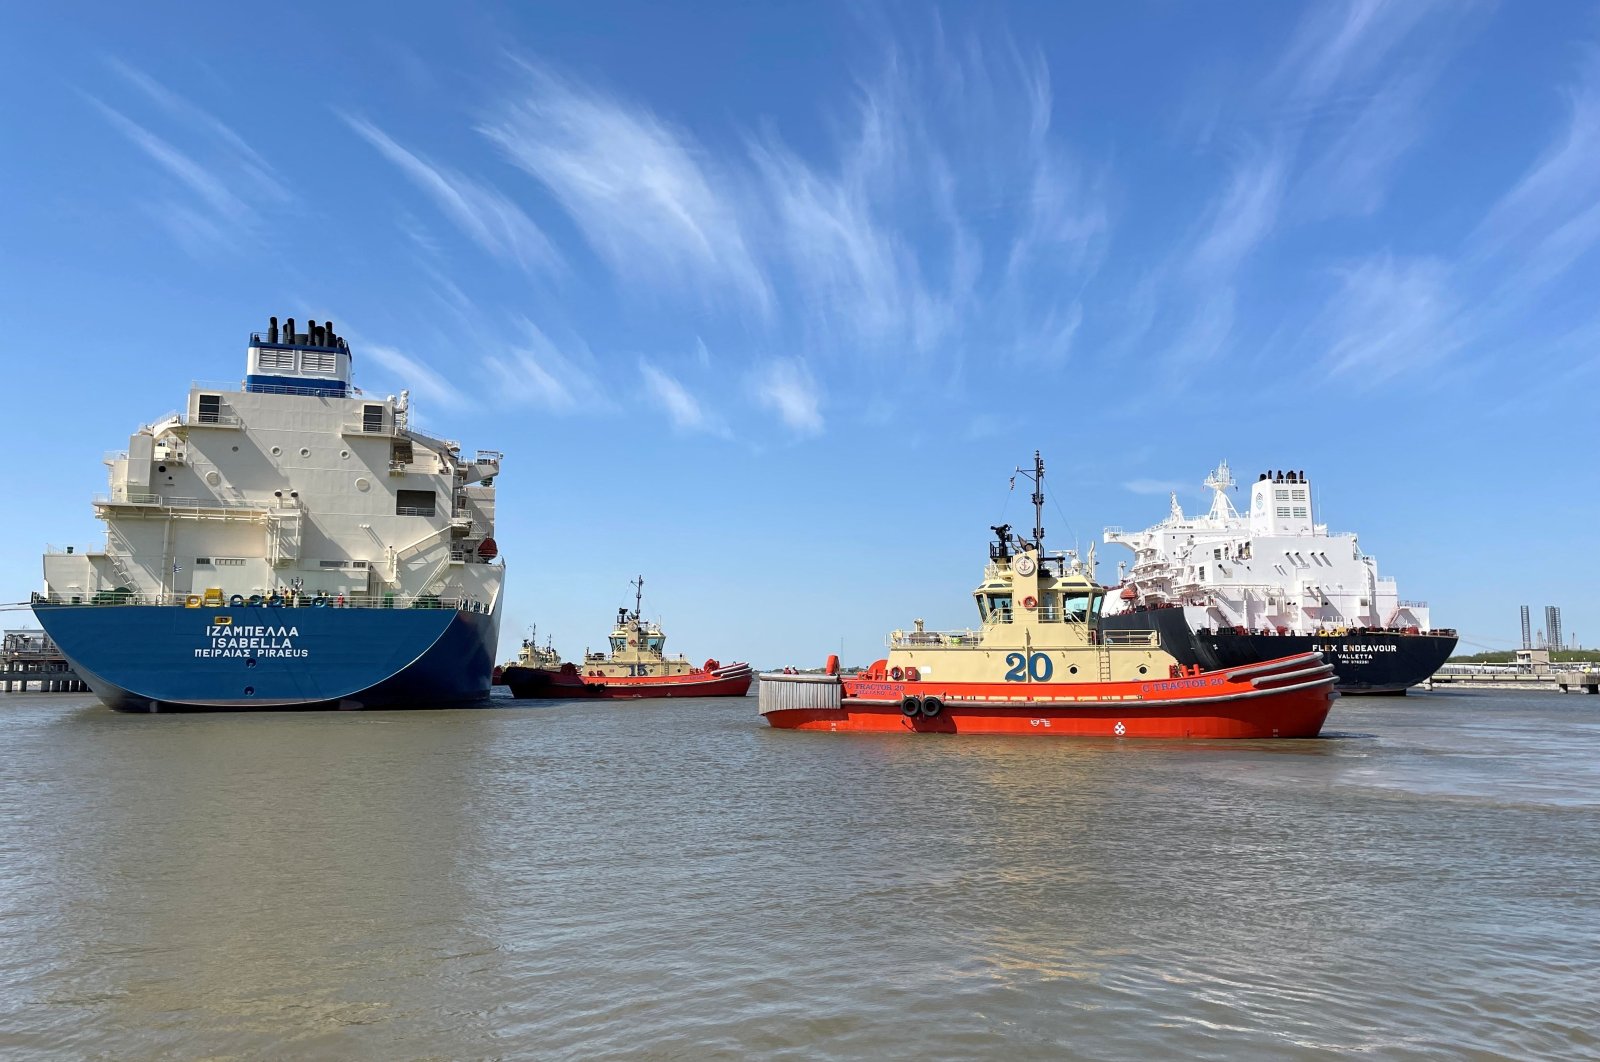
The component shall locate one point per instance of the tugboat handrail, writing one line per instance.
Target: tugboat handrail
(971, 639)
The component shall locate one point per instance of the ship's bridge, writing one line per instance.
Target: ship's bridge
(290, 362)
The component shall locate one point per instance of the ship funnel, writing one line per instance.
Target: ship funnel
(280, 363)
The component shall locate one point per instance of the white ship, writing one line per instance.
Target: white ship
(287, 541)
(1235, 586)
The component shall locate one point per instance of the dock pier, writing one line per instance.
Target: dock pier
(29, 658)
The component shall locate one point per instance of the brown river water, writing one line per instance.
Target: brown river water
(675, 880)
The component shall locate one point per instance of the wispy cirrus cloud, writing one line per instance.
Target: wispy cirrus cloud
(1242, 217)
(1390, 316)
(643, 194)
(1339, 43)
(427, 382)
(225, 184)
(685, 411)
(249, 163)
(480, 211)
(537, 372)
(786, 387)
(1549, 215)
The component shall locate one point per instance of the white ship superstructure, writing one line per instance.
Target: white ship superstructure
(292, 485)
(1274, 569)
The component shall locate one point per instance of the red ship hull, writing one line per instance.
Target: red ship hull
(1285, 698)
(536, 683)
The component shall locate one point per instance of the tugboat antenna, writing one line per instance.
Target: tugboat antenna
(1037, 475)
(638, 607)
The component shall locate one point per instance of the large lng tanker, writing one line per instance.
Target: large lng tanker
(1224, 589)
(636, 668)
(1041, 664)
(288, 543)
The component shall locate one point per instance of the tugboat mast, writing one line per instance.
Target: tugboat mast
(638, 608)
(1037, 476)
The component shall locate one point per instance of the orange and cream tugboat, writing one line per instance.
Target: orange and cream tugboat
(1039, 664)
(636, 667)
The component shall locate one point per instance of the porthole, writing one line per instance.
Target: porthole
(305, 451)
(363, 484)
(213, 478)
(1073, 670)
(276, 451)
(235, 449)
(345, 454)
(1143, 670)
(161, 468)
(249, 691)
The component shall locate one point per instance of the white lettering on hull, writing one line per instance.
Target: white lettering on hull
(252, 642)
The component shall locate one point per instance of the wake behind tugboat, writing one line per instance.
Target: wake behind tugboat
(1040, 664)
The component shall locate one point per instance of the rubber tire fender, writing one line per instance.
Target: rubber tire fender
(911, 706)
(932, 706)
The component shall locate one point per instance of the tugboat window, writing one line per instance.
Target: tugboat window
(1075, 607)
(414, 503)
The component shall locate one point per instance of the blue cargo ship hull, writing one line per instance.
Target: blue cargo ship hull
(150, 658)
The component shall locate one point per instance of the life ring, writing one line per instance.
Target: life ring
(320, 602)
(896, 673)
(255, 599)
(1030, 603)
(275, 601)
(192, 601)
(632, 642)
(236, 600)
(932, 706)
(911, 706)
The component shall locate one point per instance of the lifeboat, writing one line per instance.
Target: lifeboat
(1038, 664)
(635, 668)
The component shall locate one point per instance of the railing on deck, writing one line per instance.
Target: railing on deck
(1149, 638)
(142, 498)
(912, 639)
(112, 599)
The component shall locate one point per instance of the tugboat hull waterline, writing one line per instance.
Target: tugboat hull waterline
(635, 668)
(1041, 665)
(1288, 698)
(289, 542)
(714, 681)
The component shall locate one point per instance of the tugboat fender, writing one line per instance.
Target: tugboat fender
(911, 705)
(932, 706)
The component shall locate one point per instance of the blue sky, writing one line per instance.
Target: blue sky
(767, 301)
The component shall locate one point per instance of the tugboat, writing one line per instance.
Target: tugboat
(285, 542)
(637, 667)
(530, 656)
(1225, 589)
(1039, 664)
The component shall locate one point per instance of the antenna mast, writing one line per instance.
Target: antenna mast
(1037, 475)
(638, 607)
